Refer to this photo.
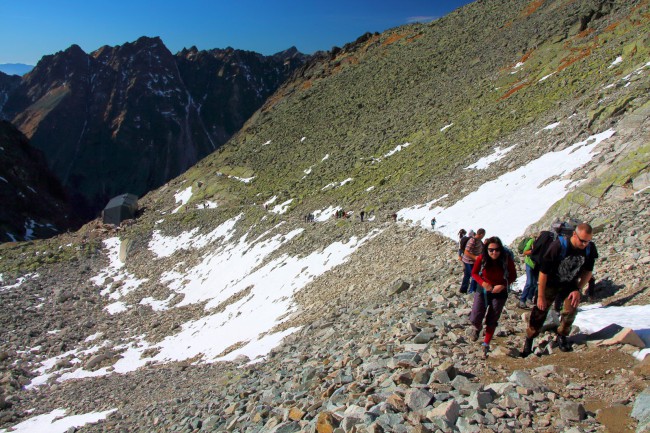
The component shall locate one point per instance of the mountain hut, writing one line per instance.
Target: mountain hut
(120, 208)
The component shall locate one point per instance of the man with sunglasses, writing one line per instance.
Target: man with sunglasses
(565, 270)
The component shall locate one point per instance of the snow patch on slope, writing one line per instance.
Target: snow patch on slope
(486, 161)
(57, 422)
(526, 193)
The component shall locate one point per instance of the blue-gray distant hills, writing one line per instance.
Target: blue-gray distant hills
(15, 68)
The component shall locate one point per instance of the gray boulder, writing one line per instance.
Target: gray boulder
(418, 398)
(641, 411)
(398, 286)
(464, 386)
(447, 411)
(572, 411)
(525, 380)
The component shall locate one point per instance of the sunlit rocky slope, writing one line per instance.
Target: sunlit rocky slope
(221, 309)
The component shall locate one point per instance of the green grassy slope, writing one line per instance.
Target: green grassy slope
(405, 85)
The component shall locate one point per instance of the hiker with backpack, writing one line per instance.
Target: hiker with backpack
(473, 249)
(566, 267)
(494, 271)
(462, 242)
(528, 294)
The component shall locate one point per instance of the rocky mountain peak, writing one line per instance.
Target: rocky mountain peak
(143, 46)
(133, 100)
(144, 53)
(74, 51)
(148, 41)
(288, 53)
(58, 67)
(188, 52)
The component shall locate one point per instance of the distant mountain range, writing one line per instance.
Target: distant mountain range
(15, 68)
(129, 118)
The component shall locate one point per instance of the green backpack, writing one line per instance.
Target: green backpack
(522, 244)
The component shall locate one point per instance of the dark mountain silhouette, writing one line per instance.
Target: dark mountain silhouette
(34, 204)
(7, 84)
(129, 118)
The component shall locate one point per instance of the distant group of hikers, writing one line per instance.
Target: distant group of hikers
(340, 213)
(559, 266)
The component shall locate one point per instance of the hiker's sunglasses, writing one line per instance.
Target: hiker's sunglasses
(582, 241)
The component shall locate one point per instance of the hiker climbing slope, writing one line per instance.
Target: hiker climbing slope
(462, 242)
(473, 249)
(494, 271)
(565, 270)
(528, 294)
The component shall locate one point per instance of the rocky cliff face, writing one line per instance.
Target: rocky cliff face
(131, 117)
(34, 204)
(230, 85)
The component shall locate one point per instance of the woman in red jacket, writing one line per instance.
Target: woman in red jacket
(494, 271)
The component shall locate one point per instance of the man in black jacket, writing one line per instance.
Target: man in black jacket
(565, 270)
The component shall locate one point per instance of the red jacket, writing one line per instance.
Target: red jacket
(494, 274)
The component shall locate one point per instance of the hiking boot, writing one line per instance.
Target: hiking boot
(563, 344)
(473, 335)
(528, 347)
(486, 349)
(523, 305)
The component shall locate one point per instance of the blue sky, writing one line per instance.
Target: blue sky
(30, 29)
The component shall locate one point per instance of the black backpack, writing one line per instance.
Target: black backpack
(565, 228)
(463, 244)
(544, 239)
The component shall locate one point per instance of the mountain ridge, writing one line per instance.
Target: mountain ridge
(133, 103)
(383, 137)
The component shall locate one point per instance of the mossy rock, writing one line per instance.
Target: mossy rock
(616, 108)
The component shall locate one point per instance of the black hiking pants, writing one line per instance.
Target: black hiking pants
(567, 315)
